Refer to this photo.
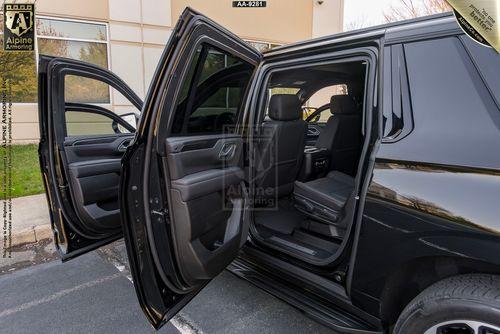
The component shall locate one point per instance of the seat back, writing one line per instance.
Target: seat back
(342, 135)
(280, 147)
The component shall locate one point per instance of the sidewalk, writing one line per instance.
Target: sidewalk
(30, 220)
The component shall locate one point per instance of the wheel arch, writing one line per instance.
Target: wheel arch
(414, 276)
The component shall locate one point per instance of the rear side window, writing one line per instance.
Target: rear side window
(456, 120)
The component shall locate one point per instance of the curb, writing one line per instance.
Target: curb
(30, 235)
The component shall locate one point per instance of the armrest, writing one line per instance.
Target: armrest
(207, 182)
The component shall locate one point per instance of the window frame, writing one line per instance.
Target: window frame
(195, 83)
(396, 93)
(335, 57)
(268, 44)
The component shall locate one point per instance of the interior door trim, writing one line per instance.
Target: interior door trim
(72, 238)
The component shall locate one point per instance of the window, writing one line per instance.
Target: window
(454, 114)
(322, 98)
(283, 90)
(60, 38)
(86, 123)
(212, 93)
(20, 69)
(81, 41)
(487, 62)
(85, 90)
(262, 46)
(87, 119)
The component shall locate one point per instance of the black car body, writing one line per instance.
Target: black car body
(423, 183)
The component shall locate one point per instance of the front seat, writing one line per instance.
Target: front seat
(342, 135)
(280, 147)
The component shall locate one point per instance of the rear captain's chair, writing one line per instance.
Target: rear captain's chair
(342, 134)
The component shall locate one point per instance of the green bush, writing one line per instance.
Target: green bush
(26, 176)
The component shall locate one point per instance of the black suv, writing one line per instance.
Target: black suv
(355, 176)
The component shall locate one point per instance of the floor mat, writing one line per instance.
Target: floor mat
(284, 219)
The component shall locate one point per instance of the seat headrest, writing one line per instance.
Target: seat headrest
(342, 104)
(284, 107)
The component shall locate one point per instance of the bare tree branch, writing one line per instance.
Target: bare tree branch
(408, 9)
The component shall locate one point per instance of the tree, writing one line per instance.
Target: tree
(408, 9)
(19, 68)
(359, 23)
(95, 53)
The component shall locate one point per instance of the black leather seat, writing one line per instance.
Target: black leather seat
(342, 134)
(281, 147)
(326, 197)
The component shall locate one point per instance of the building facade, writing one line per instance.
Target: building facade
(128, 36)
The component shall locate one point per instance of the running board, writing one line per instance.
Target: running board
(320, 310)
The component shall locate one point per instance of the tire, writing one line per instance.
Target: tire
(459, 303)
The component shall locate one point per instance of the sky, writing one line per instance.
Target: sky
(370, 12)
(364, 13)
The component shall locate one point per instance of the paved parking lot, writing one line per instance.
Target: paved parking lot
(93, 293)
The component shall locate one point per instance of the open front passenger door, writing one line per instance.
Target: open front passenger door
(82, 141)
(184, 202)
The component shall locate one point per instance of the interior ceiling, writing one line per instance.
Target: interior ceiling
(324, 74)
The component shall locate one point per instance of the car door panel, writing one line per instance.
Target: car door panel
(198, 179)
(94, 168)
(81, 171)
(183, 190)
(188, 155)
(94, 186)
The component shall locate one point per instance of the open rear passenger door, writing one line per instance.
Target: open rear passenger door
(183, 195)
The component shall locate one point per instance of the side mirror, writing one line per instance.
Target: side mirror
(127, 124)
(131, 118)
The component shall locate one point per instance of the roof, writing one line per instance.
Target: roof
(425, 25)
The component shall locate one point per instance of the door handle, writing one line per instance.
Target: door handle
(227, 151)
(123, 145)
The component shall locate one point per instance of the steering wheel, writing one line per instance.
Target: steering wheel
(317, 112)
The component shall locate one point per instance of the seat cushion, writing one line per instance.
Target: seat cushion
(331, 191)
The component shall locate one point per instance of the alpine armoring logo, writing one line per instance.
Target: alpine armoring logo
(19, 32)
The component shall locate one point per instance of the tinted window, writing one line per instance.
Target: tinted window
(322, 97)
(86, 123)
(212, 93)
(456, 121)
(88, 110)
(488, 64)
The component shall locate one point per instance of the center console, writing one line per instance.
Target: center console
(315, 163)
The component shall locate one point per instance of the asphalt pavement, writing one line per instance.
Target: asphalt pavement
(94, 294)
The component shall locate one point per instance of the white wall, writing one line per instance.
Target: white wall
(139, 30)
